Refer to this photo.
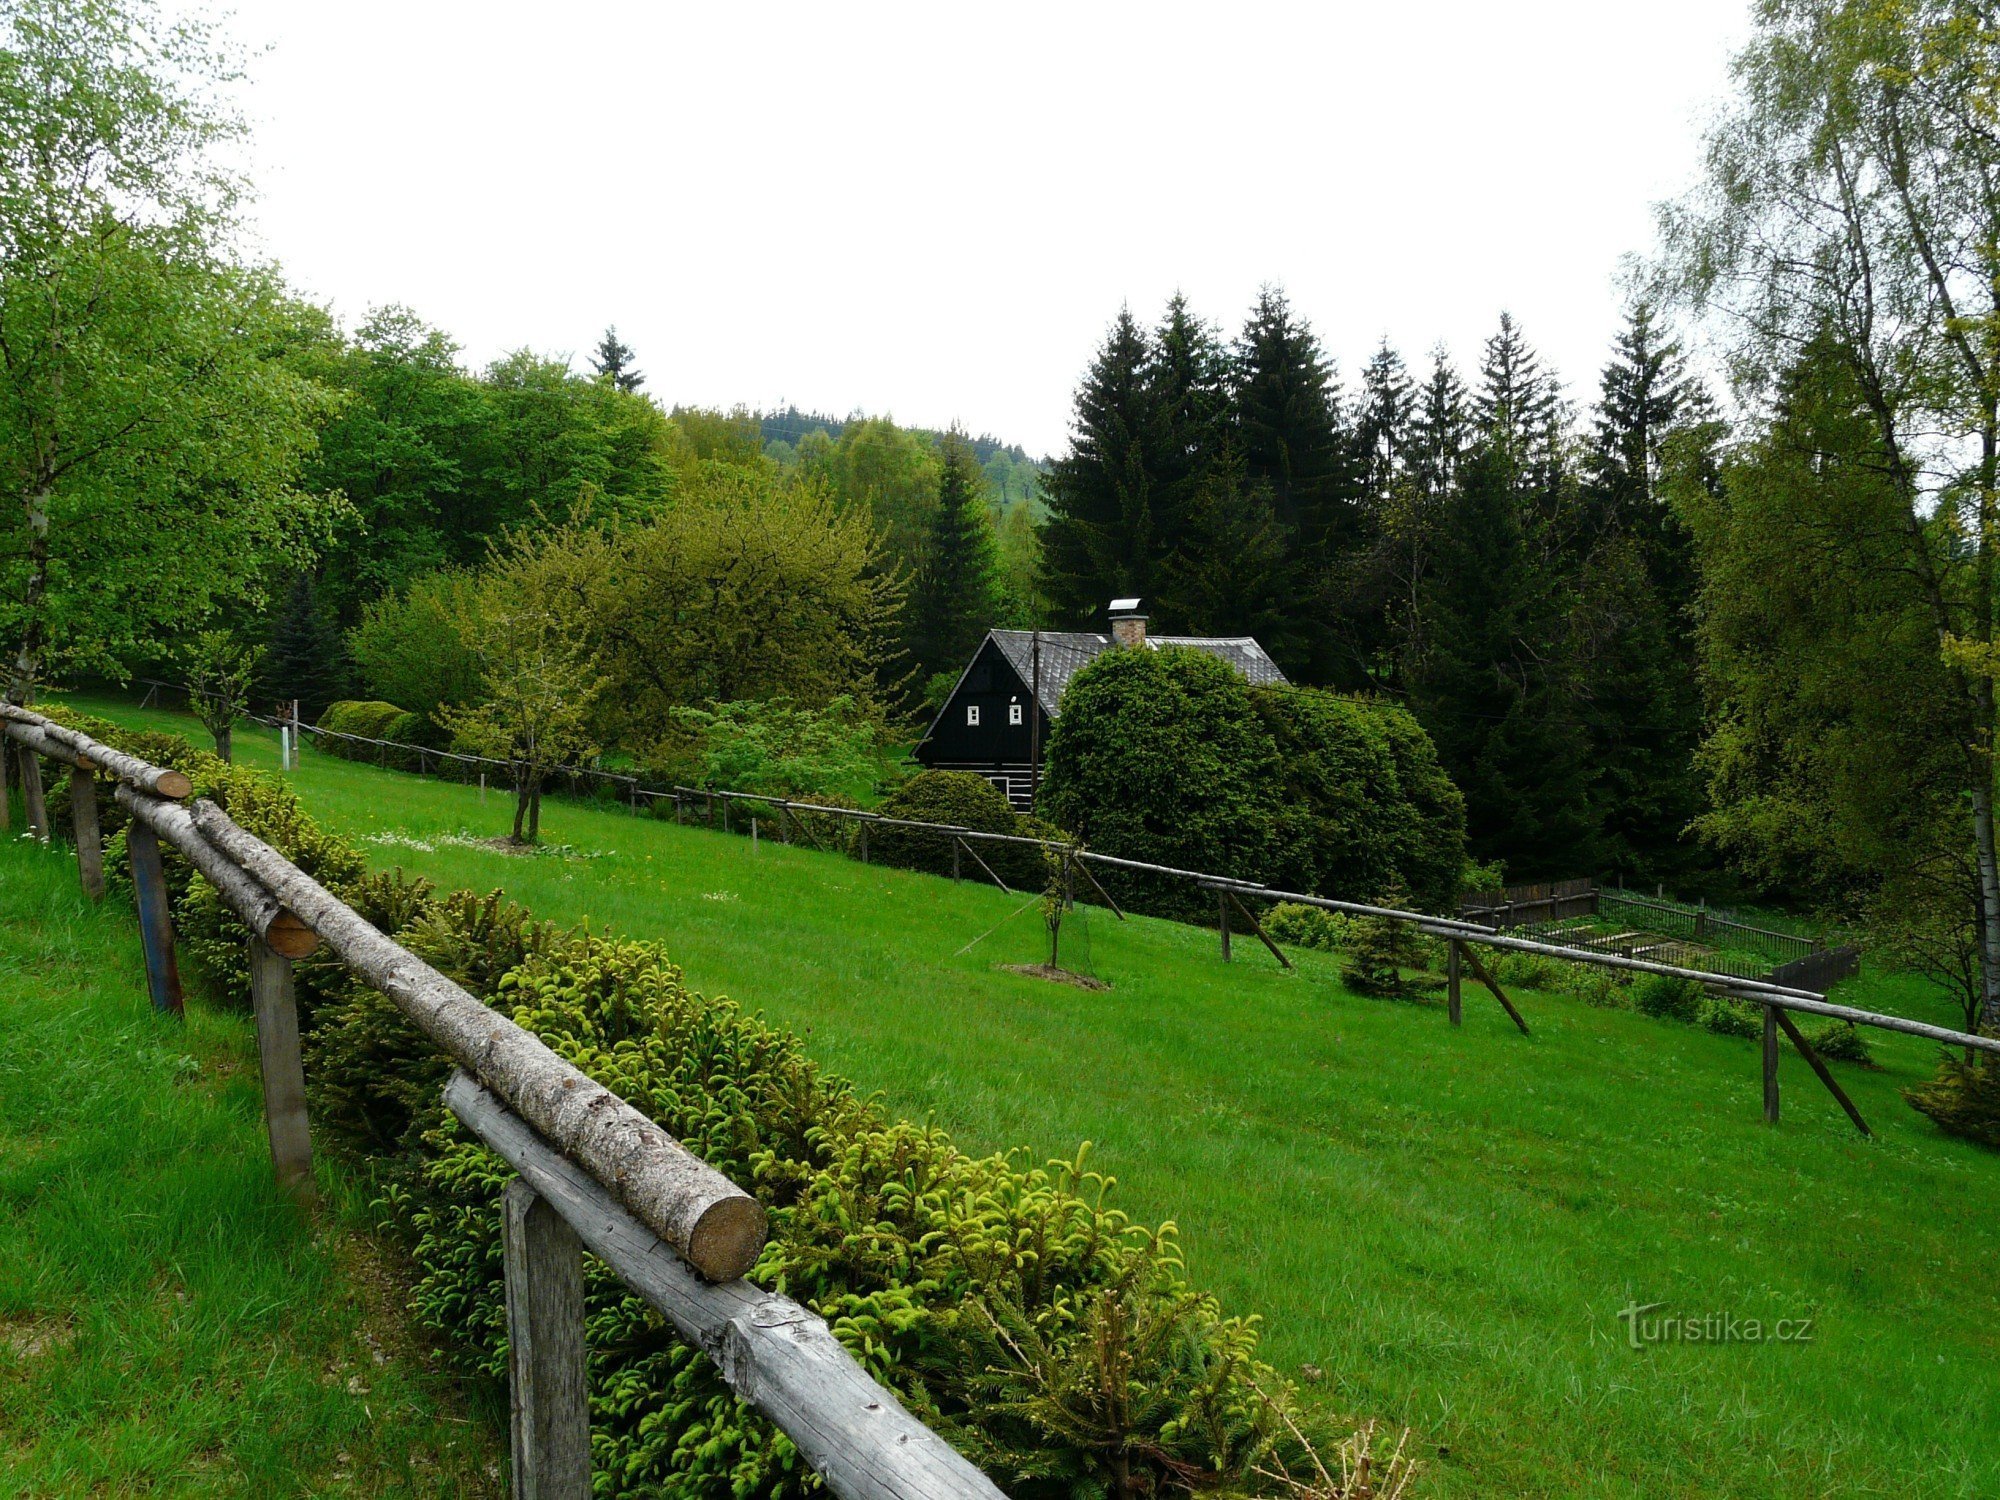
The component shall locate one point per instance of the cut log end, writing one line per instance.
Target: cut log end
(727, 1238)
(175, 784)
(288, 937)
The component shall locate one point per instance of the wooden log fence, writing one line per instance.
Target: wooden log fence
(1459, 933)
(775, 1354)
(595, 1171)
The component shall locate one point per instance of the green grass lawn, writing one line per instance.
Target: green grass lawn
(169, 1325)
(1438, 1228)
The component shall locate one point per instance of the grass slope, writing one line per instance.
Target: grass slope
(167, 1325)
(1439, 1228)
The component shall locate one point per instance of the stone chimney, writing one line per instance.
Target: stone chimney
(1128, 623)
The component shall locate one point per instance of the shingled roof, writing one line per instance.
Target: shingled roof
(1067, 652)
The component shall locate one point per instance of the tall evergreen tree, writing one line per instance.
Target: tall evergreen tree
(1385, 420)
(1517, 405)
(612, 360)
(1440, 427)
(1101, 537)
(305, 658)
(953, 600)
(1295, 445)
(1288, 425)
(1492, 685)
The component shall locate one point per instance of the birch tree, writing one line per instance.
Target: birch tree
(1852, 204)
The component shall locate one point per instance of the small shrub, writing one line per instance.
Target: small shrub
(1380, 949)
(1307, 926)
(1667, 998)
(1842, 1041)
(373, 721)
(1531, 971)
(1606, 989)
(1964, 1098)
(1731, 1017)
(956, 797)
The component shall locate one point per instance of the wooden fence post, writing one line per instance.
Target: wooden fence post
(956, 846)
(1770, 1065)
(1454, 1002)
(89, 843)
(156, 926)
(31, 794)
(753, 833)
(864, 843)
(1222, 913)
(549, 1430)
(276, 1007)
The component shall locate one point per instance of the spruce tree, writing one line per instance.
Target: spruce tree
(1385, 419)
(1440, 427)
(1288, 426)
(1294, 444)
(1517, 405)
(305, 658)
(1639, 693)
(612, 360)
(953, 600)
(1101, 538)
(1188, 376)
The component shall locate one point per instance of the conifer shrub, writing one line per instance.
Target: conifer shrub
(1963, 1099)
(1381, 949)
(1011, 1307)
(957, 797)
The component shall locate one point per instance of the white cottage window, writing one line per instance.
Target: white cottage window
(1013, 713)
(972, 714)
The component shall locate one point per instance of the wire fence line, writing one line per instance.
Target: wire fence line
(1779, 998)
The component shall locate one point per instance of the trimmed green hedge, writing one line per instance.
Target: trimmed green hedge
(374, 721)
(991, 1296)
(1170, 757)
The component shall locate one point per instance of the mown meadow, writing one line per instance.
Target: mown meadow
(168, 1325)
(1438, 1229)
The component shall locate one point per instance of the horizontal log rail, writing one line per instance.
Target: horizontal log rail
(775, 1354)
(716, 1225)
(679, 1231)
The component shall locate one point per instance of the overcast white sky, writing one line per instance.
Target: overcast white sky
(934, 210)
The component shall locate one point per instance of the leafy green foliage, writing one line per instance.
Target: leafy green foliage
(147, 376)
(776, 748)
(1307, 926)
(960, 798)
(1169, 757)
(1668, 999)
(411, 646)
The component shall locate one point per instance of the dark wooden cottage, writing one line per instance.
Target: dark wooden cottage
(998, 717)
